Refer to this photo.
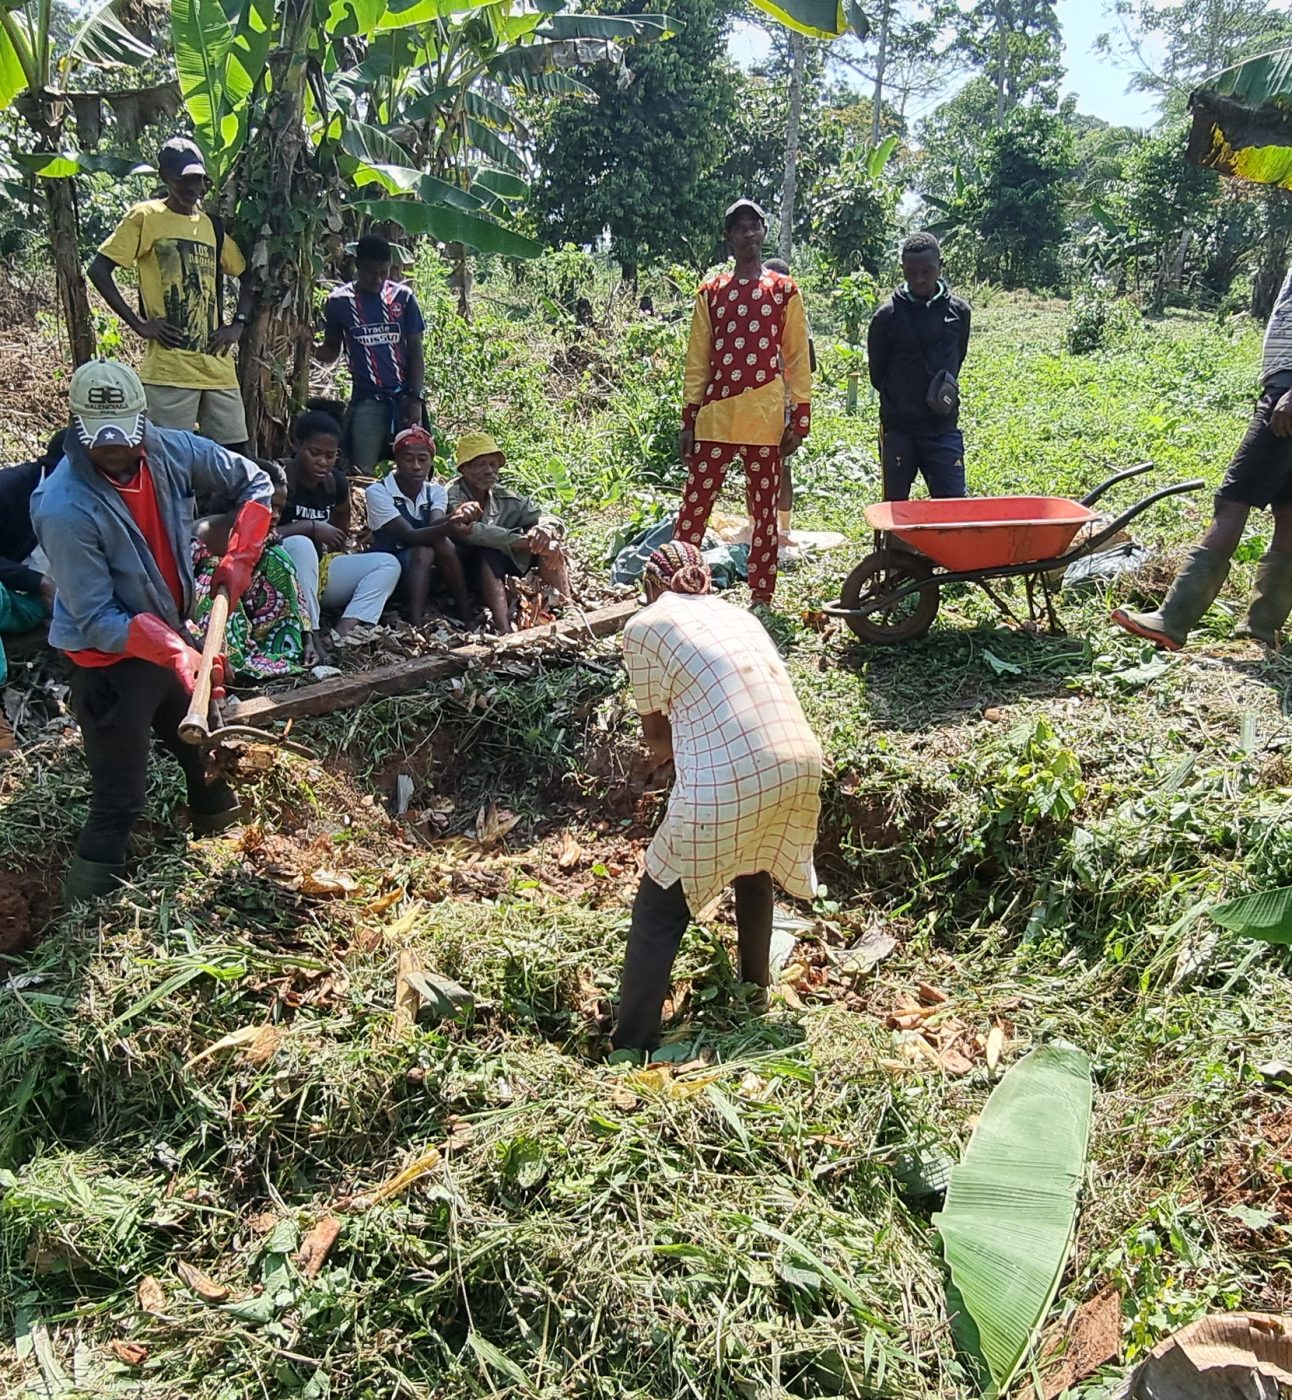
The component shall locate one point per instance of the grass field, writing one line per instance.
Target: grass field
(199, 1073)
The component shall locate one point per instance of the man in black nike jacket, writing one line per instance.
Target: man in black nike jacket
(916, 340)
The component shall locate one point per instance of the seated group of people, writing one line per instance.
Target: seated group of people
(469, 534)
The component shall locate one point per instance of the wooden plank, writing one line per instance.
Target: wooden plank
(344, 692)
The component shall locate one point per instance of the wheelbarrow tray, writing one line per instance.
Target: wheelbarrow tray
(983, 532)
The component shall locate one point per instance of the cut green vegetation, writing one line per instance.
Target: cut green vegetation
(318, 1109)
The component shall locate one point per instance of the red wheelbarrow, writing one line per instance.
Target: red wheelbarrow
(893, 594)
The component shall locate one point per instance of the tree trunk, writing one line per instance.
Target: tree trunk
(64, 229)
(881, 62)
(1002, 63)
(278, 181)
(65, 244)
(460, 278)
(798, 46)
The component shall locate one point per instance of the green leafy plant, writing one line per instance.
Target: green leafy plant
(1011, 1208)
(1267, 915)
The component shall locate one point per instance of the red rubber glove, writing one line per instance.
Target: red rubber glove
(246, 541)
(150, 639)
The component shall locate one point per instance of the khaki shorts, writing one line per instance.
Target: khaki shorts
(215, 413)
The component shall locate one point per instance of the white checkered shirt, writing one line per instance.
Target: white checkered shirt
(748, 789)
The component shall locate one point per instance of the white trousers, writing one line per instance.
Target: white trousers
(358, 584)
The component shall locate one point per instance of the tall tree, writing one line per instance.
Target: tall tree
(641, 160)
(1018, 45)
(1192, 39)
(905, 55)
(1015, 213)
(36, 63)
(951, 138)
(793, 119)
(1169, 204)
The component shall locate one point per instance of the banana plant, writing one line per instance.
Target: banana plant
(1242, 121)
(34, 80)
(395, 110)
(818, 19)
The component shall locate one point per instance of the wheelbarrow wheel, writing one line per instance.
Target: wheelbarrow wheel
(879, 574)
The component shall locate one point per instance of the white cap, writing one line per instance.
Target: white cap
(108, 404)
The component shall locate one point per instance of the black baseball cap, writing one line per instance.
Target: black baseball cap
(179, 157)
(734, 209)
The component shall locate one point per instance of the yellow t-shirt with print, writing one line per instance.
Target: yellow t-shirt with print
(174, 255)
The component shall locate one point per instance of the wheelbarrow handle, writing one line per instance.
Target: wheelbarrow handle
(1091, 497)
(1179, 489)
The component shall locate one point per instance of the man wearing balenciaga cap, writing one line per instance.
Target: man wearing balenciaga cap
(114, 523)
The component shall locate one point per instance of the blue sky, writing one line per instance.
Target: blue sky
(1099, 81)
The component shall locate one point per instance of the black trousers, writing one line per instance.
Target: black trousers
(121, 709)
(660, 918)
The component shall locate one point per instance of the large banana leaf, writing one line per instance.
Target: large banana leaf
(13, 48)
(492, 113)
(490, 145)
(451, 226)
(203, 36)
(501, 183)
(819, 19)
(542, 84)
(104, 42)
(63, 165)
(402, 16)
(1011, 1208)
(1242, 121)
(639, 27)
(376, 158)
(1267, 916)
(252, 35)
(553, 55)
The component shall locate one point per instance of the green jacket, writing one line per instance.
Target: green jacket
(507, 519)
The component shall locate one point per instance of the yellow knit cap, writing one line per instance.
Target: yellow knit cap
(473, 445)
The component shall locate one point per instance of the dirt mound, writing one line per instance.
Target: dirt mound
(26, 906)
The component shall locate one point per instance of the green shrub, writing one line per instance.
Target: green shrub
(1096, 321)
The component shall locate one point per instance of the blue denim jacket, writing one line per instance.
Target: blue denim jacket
(102, 567)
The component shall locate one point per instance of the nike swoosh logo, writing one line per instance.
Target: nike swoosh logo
(950, 320)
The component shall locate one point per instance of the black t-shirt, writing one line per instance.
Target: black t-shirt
(316, 502)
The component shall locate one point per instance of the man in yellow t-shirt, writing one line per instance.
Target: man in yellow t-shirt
(188, 372)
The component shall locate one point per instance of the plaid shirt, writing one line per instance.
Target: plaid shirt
(747, 795)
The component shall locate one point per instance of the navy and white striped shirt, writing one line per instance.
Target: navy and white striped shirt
(1276, 360)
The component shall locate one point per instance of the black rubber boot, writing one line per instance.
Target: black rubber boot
(1271, 600)
(216, 808)
(1195, 588)
(87, 880)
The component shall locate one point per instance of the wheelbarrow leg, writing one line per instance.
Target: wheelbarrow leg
(1057, 629)
(1001, 604)
(1046, 609)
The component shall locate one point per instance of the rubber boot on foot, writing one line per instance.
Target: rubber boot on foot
(1271, 601)
(87, 880)
(1195, 588)
(216, 809)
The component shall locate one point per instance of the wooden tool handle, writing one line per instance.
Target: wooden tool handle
(194, 727)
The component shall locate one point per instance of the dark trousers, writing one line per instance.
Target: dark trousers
(660, 918)
(939, 457)
(121, 709)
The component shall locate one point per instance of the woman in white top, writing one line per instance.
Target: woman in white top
(314, 529)
(715, 698)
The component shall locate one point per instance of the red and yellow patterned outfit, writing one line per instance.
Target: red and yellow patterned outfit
(742, 331)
